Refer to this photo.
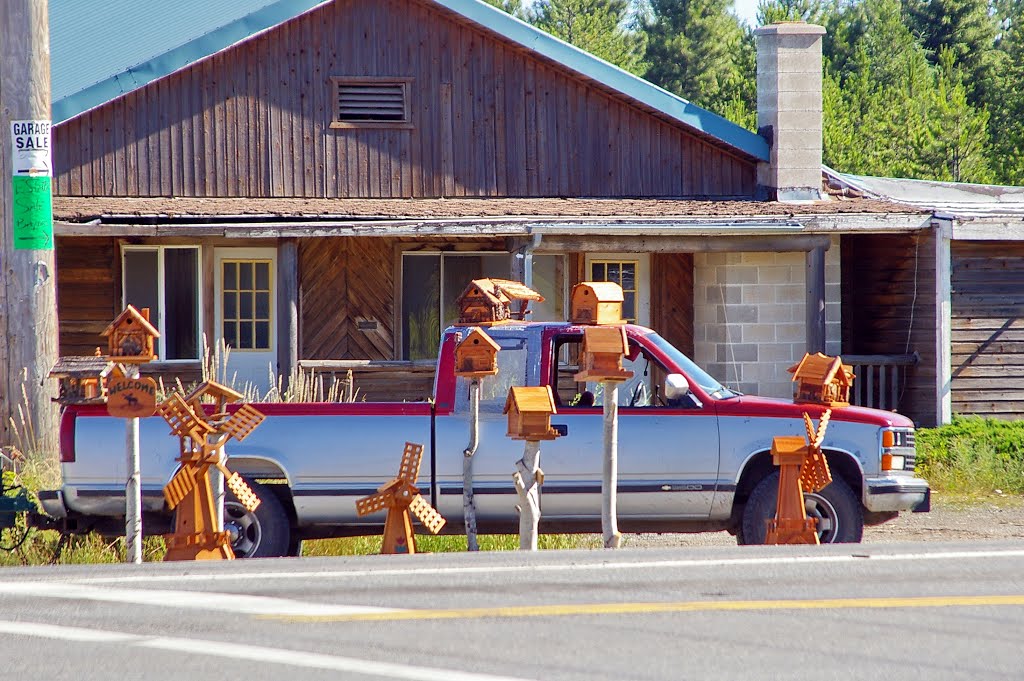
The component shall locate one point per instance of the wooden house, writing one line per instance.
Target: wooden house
(476, 355)
(491, 301)
(529, 412)
(603, 350)
(822, 380)
(228, 180)
(130, 337)
(596, 302)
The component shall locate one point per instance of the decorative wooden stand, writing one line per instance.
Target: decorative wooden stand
(529, 418)
(402, 499)
(802, 468)
(196, 534)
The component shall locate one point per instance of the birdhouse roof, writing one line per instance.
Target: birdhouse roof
(516, 291)
(487, 289)
(131, 315)
(819, 368)
(86, 366)
(476, 333)
(605, 291)
(215, 390)
(530, 399)
(610, 339)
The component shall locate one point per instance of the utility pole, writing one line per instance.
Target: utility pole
(28, 294)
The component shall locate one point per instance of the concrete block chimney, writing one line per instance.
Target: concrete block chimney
(789, 109)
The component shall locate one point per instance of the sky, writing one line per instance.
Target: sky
(747, 10)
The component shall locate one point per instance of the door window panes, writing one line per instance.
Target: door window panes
(245, 304)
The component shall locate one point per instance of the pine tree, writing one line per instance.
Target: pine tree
(774, 11)
(1007, 99)
(699, 50)
(601, 27)
(513, 7)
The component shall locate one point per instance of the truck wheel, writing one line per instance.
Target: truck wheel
(263, 533)
(839, 514)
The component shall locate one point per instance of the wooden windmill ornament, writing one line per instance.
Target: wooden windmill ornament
(803, 468)
(202, 436)
(402, 500)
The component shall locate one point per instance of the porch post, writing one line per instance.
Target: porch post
(287, 308)
(943, 312)
(815, 278)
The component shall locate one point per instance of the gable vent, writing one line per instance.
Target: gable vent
(375, 102)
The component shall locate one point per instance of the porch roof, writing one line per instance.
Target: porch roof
(294, 217)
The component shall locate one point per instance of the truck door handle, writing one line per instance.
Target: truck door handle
(561, 428)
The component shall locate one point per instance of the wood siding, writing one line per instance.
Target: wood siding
(987, 281)
(88, 292)
(672, 298)
(888, 307)
(488, 119)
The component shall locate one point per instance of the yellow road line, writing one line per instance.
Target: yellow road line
(653, 608)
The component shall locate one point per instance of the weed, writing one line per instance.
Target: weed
(973, 455)
(361, 546)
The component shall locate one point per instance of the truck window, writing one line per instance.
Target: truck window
(644, 389)
(512, 367)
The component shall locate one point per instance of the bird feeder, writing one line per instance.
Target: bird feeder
(493, 301)
(529, 413)
(823, 380)
(402, 499)
(603, 350)
(596, 302)
(130, 337)
(476, 355)
(82, 380)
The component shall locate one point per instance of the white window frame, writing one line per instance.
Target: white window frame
(160, 324)
(642, 280)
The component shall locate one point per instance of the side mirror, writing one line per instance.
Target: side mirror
(676, 387)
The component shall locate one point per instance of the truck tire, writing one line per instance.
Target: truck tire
(263, 533)
(840, 516)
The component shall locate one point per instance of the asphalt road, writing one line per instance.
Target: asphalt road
(894, 611)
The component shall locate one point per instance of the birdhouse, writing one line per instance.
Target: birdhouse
(529, 413)
(822, 380)
(130, 337)
(596, 302)
(491, 301)
(603, 350)
(476, 355)
(82, 379)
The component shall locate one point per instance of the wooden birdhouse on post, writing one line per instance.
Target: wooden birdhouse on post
(823, 380)
(529, 413)
(596, 302)
(476, 355)
(130, 337)
(603, 350)
(493, 301)
(82, 380)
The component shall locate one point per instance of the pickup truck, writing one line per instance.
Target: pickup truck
(693, 454)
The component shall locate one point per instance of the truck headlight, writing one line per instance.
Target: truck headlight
(897, 449)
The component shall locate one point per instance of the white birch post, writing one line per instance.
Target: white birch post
(133, 488)
(217, 484)
(528, 479)
(610, 469)
(468, 503)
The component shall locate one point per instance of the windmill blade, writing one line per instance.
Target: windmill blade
(822, 425)
(372, 503)
(809, 427)
(183, 482)
(243, 422)
(409, 469)
(183, 421)
(427, 514)
(246, 497)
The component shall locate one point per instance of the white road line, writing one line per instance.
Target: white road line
(864, 556)
(189, 600)
(244, 653)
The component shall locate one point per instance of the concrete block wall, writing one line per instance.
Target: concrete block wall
(750, 317)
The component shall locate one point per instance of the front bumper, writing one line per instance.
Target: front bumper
(897, 493)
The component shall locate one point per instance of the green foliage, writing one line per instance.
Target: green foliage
(1006, 98)
(513, 7)
(360, 546)
(699, 50)
(775, 11)
(973, 455)
(602, 27)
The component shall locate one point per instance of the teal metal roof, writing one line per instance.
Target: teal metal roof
(99, 52)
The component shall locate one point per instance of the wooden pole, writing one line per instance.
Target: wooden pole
(610, 469)
(468, 503)
(28, 307)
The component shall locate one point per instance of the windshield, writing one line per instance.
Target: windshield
(710, 385)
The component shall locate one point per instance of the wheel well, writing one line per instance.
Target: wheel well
(760, 466)
(271, 476)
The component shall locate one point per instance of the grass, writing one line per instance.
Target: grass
(360, 546)
(973, 456)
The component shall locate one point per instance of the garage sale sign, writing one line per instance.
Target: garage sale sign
(31, 198)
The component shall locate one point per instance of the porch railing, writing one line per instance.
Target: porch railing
(880, 379)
